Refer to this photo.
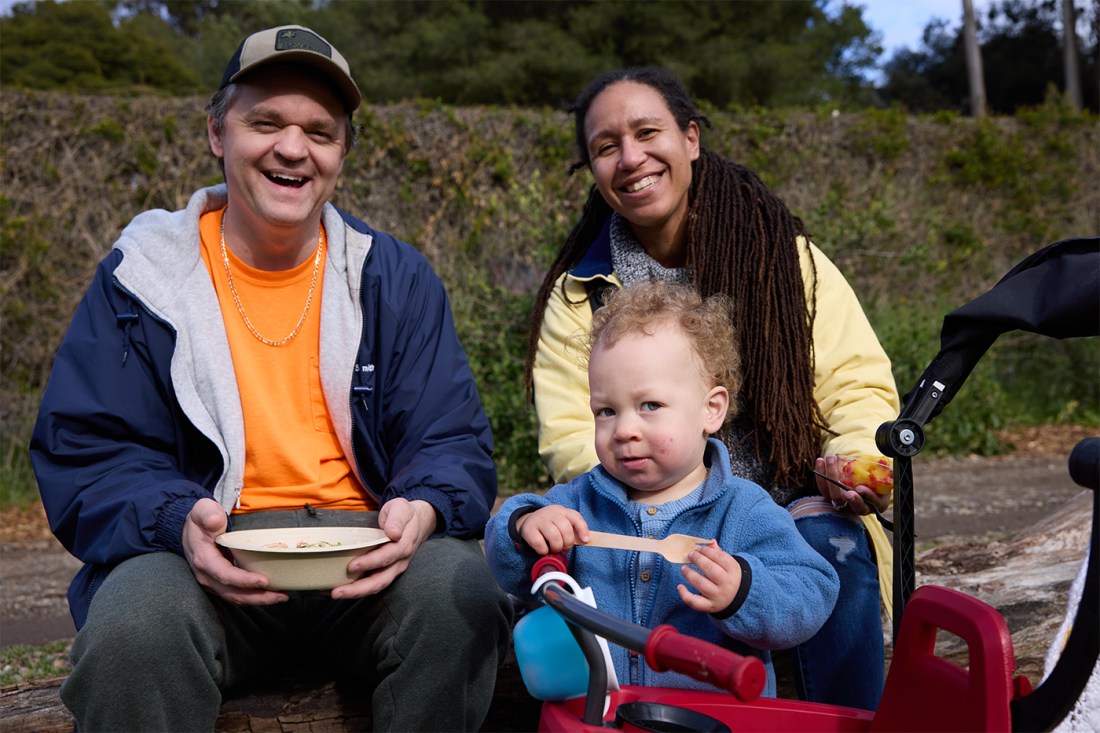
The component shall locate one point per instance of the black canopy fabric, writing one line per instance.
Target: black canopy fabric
(1054, 292)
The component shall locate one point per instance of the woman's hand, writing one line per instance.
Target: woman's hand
(553, 529)
(858, 500)
(717, 579)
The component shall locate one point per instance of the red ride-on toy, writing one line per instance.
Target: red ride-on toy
(1055, 292)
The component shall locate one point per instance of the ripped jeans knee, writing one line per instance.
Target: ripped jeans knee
(837, 536)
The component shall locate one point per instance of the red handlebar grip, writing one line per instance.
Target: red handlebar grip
(548, 563)
(668, 649)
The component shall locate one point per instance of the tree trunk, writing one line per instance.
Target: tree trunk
(973, 61)
(1069, 54)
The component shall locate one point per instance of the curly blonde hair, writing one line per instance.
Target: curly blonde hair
(706, 322)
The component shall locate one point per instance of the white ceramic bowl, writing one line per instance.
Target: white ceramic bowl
(301, 558)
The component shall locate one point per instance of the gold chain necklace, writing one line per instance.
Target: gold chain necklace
(237, 298)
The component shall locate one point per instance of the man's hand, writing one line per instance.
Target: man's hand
(407, 524)
(553, 529)
(212, 569)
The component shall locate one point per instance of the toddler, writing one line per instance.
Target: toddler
(664, 376)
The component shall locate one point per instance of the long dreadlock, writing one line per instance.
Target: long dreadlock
(742, 241)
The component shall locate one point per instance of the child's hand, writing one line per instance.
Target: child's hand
(717, 579)
(553, 529)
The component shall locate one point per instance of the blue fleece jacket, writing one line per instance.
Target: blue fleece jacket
(142, 417)
(791, 592)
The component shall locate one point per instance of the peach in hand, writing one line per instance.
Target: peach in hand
(874, 472)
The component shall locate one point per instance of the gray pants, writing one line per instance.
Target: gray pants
(157, 651)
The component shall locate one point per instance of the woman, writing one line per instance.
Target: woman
(817, 383)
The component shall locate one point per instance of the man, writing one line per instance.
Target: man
(260, 359)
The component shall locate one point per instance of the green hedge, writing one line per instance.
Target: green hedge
(921, 213)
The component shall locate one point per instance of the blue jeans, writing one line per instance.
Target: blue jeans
(844, 664)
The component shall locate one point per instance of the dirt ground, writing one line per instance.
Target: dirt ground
(959, 500)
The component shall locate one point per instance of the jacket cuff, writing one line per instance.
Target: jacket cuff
(742, 592)
(513, 530)
(444, 508)
(169, 529)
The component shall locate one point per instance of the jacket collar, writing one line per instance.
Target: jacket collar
(597, 260)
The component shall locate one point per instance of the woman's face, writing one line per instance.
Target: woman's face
(641, 161)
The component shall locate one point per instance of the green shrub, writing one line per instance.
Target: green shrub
(492, 323)
(17, 484)
(882, 135)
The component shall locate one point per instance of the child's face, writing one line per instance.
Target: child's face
(653, 413)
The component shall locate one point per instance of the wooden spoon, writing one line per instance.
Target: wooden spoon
(674, 548)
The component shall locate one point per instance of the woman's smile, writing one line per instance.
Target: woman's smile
(641, 185)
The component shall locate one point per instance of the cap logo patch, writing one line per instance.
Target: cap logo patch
(302, 40)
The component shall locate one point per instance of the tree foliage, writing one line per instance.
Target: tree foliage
(747, 53)
(1021, 46)
(731, 55)
(78, 46)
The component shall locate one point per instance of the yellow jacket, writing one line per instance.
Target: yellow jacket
(853, 382)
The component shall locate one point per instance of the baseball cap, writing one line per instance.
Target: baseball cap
(296, 45)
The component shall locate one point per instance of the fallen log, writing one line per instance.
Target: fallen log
(34, 707)
(1026, 577)
(280, 706)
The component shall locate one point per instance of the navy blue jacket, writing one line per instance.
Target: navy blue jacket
(141, 417)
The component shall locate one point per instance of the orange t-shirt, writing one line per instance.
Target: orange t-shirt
(292, 454)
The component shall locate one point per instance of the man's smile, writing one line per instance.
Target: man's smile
(285, 180)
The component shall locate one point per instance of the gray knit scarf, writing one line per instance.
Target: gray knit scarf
(630, 261)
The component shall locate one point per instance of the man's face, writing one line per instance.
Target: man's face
(283, 144)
